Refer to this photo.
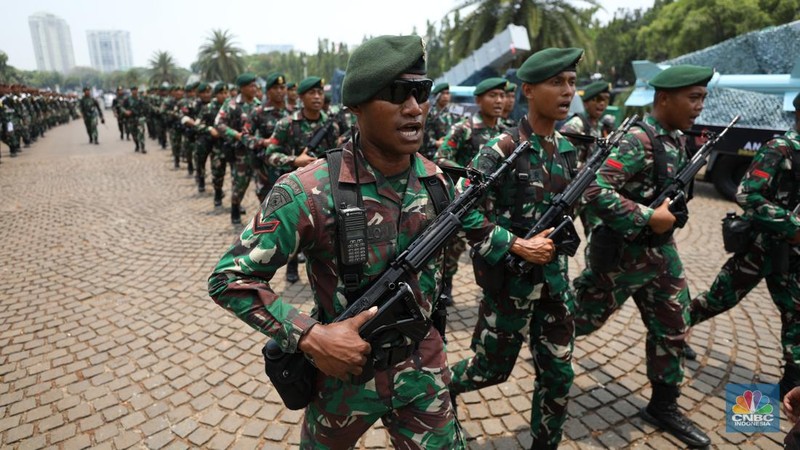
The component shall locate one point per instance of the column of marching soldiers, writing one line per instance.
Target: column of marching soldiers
(26, 113)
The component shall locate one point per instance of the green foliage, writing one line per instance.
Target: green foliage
(162, 69)
(219, 58)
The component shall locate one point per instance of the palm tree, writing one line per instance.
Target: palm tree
(219, 58)
(162, 68)
(550, 23)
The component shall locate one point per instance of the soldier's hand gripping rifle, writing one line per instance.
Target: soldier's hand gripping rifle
(318, 136)
(557, 216)
(675, 191)
(293, 375)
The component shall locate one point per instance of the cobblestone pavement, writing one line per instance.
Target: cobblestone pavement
(109, 340)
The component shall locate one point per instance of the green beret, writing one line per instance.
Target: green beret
(309, 83)
(593, 90)
(275, 78)
(86, 88)
(135, 87)
(796, 103)
(549, 63)
(191, 86)
(219, 87)
(291, 85)
(245, 79)
(511, 87)
(440, 87)
(377, 62)
(202, 87)
(676, 77)
(489, 84)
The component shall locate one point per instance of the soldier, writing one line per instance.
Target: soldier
(264, 118)
(387, 91)
(460, 146)
(292, 98)
(233, 123)
(188, 110)
(116, 109)
(201, 125)
(634, 254)
(9, 132)
(169, 110)
(159, 119)
(218, 160)
(769, 194)
(287, 149)
(541, 301)
(595, 101)
(439, 121)
(135, 110)
(508, 106)
(90, 109)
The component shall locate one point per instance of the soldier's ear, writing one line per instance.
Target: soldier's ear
(527, 90)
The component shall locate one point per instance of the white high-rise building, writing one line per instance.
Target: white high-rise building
(110, 50)
(52, 42)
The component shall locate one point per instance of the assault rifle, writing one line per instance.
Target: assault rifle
(398, 311)
(557, 215)
(675, 191)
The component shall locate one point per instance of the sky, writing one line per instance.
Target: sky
(182, 26)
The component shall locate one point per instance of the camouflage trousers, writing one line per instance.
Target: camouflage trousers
(655, 279)
(740, 274)
(175, 141)
(546, 312)
(455, 249)
(264, 177)
(91, 127)
(11, 138)
(411, 399)
(241, 173)
(136, 128)
(122, 128)
(218, 165)
(203, 148)
(187, 151)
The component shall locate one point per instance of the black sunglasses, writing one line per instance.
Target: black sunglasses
(399, 90)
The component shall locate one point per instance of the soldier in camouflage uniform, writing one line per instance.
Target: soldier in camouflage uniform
(200, 122)
(116, 108)
(647, 265)
(439, 120)
(410, 397)
(218, 160)
(9, 132)
(595, 101)
(233, 123)
(769, 194)
(90, 109)
(135, 110)
(541, 301)
(264, 118)
(508, 106)
(169, 110)
(292, 98)
(188, 110)
(287, 148)
(460, 146)
(159, 117)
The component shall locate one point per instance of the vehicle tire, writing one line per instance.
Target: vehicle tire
(728, 172)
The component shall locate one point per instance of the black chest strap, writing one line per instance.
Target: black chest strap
(660, 169)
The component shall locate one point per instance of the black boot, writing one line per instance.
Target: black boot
(790, 379)
(201, 185)
(662, 412)
(447, 291)
(191, 168)
(177, 163)
(236, 217)
(291, 270)
(689, 353)
(218, 197)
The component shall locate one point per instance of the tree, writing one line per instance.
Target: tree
(550, 23)
(219, 58)
(162, 68)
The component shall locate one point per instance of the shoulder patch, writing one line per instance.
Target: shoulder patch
(277, 199)
(269, 226)
(293, 185)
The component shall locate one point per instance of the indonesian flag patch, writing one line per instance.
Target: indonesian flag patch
(614, 164)
(761, 174)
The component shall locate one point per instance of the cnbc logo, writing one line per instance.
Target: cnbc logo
(752, 408)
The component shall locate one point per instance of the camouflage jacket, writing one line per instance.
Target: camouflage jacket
(263, 120)
(464, 140)
(291, 136)
(437, 124)
(234, 117)
(167, 111)
(208, 113)
(548, 175)
(768, 189)
(89, 107)
(189, 108)
(137, 106)
(580, 124)
(299, 215)
(626, 182)
(116, 106)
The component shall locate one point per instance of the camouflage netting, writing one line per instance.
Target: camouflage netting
(772, 50)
